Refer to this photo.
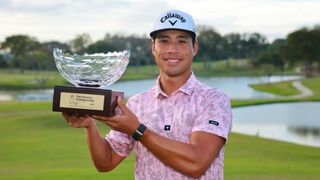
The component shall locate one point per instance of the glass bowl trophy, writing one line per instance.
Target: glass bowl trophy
(90, 74)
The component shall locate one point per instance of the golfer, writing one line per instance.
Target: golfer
(178, 128)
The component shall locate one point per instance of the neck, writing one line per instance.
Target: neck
(169, 84)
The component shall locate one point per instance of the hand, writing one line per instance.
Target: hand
(77, 120)
(126, 122)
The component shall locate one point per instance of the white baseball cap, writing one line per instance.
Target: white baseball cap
(174, 19)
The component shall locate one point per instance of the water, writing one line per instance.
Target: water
(292, 122)
(27, 95)
(238, 87)
(235, 87)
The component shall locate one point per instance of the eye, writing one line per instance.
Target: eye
(163, 40)
(183, 41)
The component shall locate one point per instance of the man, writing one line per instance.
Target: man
(177, 128)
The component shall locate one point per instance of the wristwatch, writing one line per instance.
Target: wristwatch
(139, 132)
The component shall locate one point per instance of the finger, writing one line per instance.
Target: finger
(104, 120)
(97, 117)
(65, 115)
(122, 106)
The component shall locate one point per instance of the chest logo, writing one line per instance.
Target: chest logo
(167, 127)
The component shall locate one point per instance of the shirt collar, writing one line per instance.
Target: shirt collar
(159, 91)
(187, 88)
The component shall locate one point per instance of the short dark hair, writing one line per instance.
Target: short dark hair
(193, 36)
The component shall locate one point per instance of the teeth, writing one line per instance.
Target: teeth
(173, 60)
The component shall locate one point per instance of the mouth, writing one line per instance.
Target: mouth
(172, 61)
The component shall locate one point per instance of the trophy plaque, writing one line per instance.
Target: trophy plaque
(90, 74)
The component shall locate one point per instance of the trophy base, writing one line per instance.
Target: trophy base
(89, 101)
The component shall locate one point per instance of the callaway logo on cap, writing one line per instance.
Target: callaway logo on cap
(174, 19)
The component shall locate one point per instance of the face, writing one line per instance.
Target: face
(173, 51)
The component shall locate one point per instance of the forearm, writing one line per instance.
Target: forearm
(99, 148)
(187, 158)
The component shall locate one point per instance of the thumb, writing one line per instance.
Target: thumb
(122, 106)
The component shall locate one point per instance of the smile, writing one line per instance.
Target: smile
(172, 60)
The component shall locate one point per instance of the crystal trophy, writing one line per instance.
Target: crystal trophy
(90, 74)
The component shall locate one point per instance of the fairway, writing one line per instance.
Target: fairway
(37, 144)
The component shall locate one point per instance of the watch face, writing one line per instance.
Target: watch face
(139, 132)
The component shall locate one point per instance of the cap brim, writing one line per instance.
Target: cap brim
(154, 33)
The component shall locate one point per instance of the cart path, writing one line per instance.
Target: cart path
(305, 92)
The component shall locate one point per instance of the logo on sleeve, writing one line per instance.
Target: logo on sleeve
(213, 122)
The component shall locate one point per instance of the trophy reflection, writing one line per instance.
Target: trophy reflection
(90, 74)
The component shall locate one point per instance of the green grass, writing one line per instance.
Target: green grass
(37, 144)
(314, 84)
(143, 72)
(255, 158)
(282, 88)
(311, 83)
(285, 88)
(13, 79)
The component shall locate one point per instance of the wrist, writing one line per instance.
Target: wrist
(139, 132)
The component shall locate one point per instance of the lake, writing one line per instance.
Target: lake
(235, 87)
(292, 122)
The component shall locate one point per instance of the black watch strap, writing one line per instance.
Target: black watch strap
(139, 132)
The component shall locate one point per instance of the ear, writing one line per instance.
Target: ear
(195, 47)
(153, 45)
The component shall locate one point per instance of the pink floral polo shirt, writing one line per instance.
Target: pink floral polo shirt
(193, 107)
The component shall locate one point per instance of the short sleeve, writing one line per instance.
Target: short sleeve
(121, 143)
(214, 114)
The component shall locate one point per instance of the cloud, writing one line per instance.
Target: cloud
(63, 19)
(34, 6)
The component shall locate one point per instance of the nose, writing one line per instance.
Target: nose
(172, 47)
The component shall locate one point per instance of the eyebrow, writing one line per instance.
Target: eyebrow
(166, 36)
(162, 36)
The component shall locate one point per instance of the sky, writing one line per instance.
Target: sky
(63, 20)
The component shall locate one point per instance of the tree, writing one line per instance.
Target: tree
(272, 58)
(140, 48)
(3, 62)
(304, 46)
(235, 46)
(254, 44)
(80, 43)
(48, 49)
(21, 47)
(211, 45)
(140, 51)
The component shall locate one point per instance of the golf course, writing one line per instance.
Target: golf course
(36, 143)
